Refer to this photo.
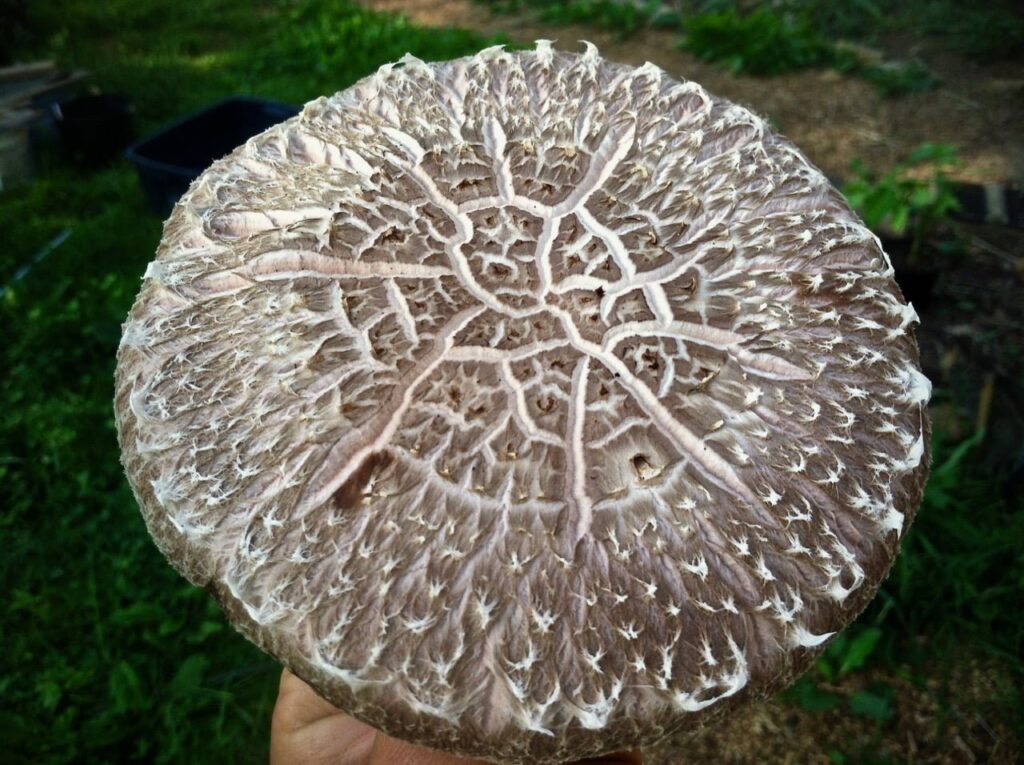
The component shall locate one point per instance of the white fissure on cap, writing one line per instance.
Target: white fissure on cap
(528, 405)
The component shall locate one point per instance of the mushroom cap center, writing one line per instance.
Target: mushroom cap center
(525, 397)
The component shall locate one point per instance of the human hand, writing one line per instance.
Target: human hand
(306, 730)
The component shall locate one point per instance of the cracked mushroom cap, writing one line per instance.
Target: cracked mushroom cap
(528, 406)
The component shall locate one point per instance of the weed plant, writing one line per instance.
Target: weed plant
(903, 201)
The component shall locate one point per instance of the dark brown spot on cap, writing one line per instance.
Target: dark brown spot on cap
(353, 490)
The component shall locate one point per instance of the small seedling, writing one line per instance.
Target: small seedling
(848, 652)
(903, 203)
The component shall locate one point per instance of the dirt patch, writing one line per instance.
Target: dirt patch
(832, 117)
(929, 724)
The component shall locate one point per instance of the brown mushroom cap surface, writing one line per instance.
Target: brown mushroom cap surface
(529, 406)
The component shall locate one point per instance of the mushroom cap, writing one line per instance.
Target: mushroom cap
(527, 405)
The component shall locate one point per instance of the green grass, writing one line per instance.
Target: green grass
(960, 577)
(109, 656)
(623, 17)
(766, 39)
(771, 41)
(962, 26)
(767, 42)
(761, 43)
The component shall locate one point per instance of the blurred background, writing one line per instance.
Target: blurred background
(915, 108)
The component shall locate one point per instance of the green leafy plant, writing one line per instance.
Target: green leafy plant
(849, 651)
(891, 78)
(986, 32)
(905, 201)
(807, 694)
(846, 653)
(763, 42)
(982, 31)
(874, 702)
(624, 17)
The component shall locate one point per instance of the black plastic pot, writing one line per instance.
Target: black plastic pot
(168, 161)
(95, 129)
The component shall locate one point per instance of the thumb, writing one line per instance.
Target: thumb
(393, 751)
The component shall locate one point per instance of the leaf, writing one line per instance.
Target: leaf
(806, 694)
(189, 675)
(936, 496)
(126, 688)
(170, 625)
(825, 669)
(22, 600)
(926, 152)
(930, 151)
(49, 692)
(859, 649)
(204, 630)
(900, 219)
(921, 196)
(873, 705)
(879, 205)
(138, 613)
(951, 465)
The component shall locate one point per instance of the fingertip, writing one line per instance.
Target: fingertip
(286, 677)
(298, 705)
(290, 682)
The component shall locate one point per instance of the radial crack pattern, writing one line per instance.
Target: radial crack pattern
(527, 405)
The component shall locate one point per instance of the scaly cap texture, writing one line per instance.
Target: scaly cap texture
(528, 405)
